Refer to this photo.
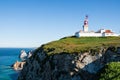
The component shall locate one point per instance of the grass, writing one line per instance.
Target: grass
(77, 45)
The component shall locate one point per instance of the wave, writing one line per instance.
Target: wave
(5, 66)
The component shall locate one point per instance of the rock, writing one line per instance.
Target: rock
(23, 55)
(29, 54)
(18, 65)
(118, 50)
(82, 66)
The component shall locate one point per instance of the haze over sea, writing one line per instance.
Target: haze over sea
(7, 57)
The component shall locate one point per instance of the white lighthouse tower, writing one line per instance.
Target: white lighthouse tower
(85, 26)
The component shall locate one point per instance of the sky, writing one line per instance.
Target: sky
(31, 23)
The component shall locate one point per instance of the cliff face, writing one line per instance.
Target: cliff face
(64, 66)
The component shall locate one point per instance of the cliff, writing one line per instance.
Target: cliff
(71, 59)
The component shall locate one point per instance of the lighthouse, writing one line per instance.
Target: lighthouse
(99, 33)
(85, 26)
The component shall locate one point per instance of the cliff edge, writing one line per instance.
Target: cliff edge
(71, 59)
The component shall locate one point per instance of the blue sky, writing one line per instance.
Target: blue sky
(30, 23)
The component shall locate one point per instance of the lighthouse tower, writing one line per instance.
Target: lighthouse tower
(85, 26)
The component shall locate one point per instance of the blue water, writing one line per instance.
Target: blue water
(7, 57)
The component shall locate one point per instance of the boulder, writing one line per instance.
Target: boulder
(18, 65)
(23, 55)
(29, 54)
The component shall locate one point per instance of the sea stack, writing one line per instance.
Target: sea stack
(23, 55)
(18, 65)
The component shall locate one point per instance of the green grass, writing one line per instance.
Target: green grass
(77, 45)
(111, 71)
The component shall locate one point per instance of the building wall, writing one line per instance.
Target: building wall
(88, 35)
(95, 34)
(77, 34)
(85, 28)
(110, 34)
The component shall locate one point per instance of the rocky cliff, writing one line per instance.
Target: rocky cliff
(65, 66)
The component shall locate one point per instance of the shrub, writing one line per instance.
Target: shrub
(110, 72)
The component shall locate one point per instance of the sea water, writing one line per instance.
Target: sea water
(8, 56)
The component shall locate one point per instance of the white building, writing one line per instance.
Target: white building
(99, 33)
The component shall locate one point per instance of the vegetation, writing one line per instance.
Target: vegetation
(111, 71)
(77, 45)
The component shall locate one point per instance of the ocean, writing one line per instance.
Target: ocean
(8, 56)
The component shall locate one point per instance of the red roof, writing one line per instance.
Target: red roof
(108, 31)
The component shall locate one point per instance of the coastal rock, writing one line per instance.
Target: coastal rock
(23, 55)
(29, 54)
(66, 66)
(118, 50)
(18, 65)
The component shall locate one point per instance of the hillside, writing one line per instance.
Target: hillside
(71, 58)
(77, 45)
